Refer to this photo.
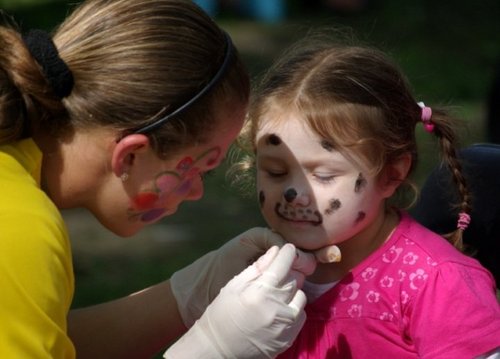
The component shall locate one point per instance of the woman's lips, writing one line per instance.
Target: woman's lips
(298, 214)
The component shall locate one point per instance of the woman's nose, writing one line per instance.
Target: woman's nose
(293, 197)
(196, 190)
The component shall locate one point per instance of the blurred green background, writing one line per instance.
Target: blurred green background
(448, 49)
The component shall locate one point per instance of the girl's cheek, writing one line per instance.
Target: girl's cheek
(262, 198)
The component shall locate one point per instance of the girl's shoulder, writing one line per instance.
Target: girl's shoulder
(412, 237)
(413, 257)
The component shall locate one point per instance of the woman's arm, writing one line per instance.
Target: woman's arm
(142, 324)
(137, 326)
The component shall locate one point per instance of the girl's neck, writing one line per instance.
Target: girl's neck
(358, 248)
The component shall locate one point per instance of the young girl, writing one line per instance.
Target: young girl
(121, 112)
(333, 132)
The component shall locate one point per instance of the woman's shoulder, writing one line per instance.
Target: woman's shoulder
(27, 215)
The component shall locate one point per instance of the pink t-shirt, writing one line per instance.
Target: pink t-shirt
(414, 297)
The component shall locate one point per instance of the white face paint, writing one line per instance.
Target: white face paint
(309, 193)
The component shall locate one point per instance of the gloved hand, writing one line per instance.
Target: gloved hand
(196, 285)
(257, 314)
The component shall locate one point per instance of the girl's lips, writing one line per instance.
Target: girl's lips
(299, 215)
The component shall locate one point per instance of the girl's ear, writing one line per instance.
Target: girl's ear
(394, 174)
(125, 151)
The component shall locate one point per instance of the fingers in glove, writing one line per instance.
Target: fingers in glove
(304, 263)
(257, 268)
(261, 239)
(278, 271)
(298, 302)
(265, 261)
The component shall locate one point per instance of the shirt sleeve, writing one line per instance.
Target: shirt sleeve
(456, 315)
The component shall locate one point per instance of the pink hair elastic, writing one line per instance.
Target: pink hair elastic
(426, 117)
(463, 221)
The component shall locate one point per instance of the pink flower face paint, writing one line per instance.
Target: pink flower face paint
(170, 186)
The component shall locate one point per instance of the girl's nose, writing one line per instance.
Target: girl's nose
(290, 194)
(293, 197)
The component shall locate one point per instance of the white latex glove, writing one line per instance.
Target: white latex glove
(258, 314)
(196, 285)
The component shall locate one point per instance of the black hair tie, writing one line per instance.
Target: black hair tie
(43, 50)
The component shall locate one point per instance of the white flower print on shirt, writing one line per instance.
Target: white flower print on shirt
(369, 273)
(431, 262)
(386, 316)
(410, 258)
(350, 292)
(395, 308)
(401, 275)
(355, 311)
(404, 297)
(417, 279)
(372, 296)
(392, 255)
(409, 242)
(386, 282)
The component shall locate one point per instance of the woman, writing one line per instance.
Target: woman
(122, 113)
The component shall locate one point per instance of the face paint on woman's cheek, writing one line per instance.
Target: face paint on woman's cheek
(150, 205)
(209, 157)
(184, 164)
(143, 207)
(184, 188)
(146, 206)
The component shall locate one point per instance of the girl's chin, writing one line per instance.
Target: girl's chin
(306, 244)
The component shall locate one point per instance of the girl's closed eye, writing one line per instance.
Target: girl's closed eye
(324, 178)
(272, 171)
(275, 173)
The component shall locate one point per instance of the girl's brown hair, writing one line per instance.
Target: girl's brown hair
(129, 60)
(358, 100)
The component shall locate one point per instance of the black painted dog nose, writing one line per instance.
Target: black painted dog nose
(290, 194)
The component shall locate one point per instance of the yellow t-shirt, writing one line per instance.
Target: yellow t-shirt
(36, 270)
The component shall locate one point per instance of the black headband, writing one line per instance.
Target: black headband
(43, 50)
(222, 70)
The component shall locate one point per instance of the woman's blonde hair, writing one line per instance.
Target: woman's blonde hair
(129, 60)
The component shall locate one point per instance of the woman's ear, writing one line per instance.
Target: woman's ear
(394, 173)
(125, 151)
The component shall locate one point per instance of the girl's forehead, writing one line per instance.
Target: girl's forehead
(283, 122)
(292, 137)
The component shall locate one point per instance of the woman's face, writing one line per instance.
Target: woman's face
(155, 188)
(308, 192)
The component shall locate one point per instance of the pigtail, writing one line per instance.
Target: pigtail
(27, 100)
(442, 126)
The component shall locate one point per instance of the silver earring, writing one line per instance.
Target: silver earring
(124, 176)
